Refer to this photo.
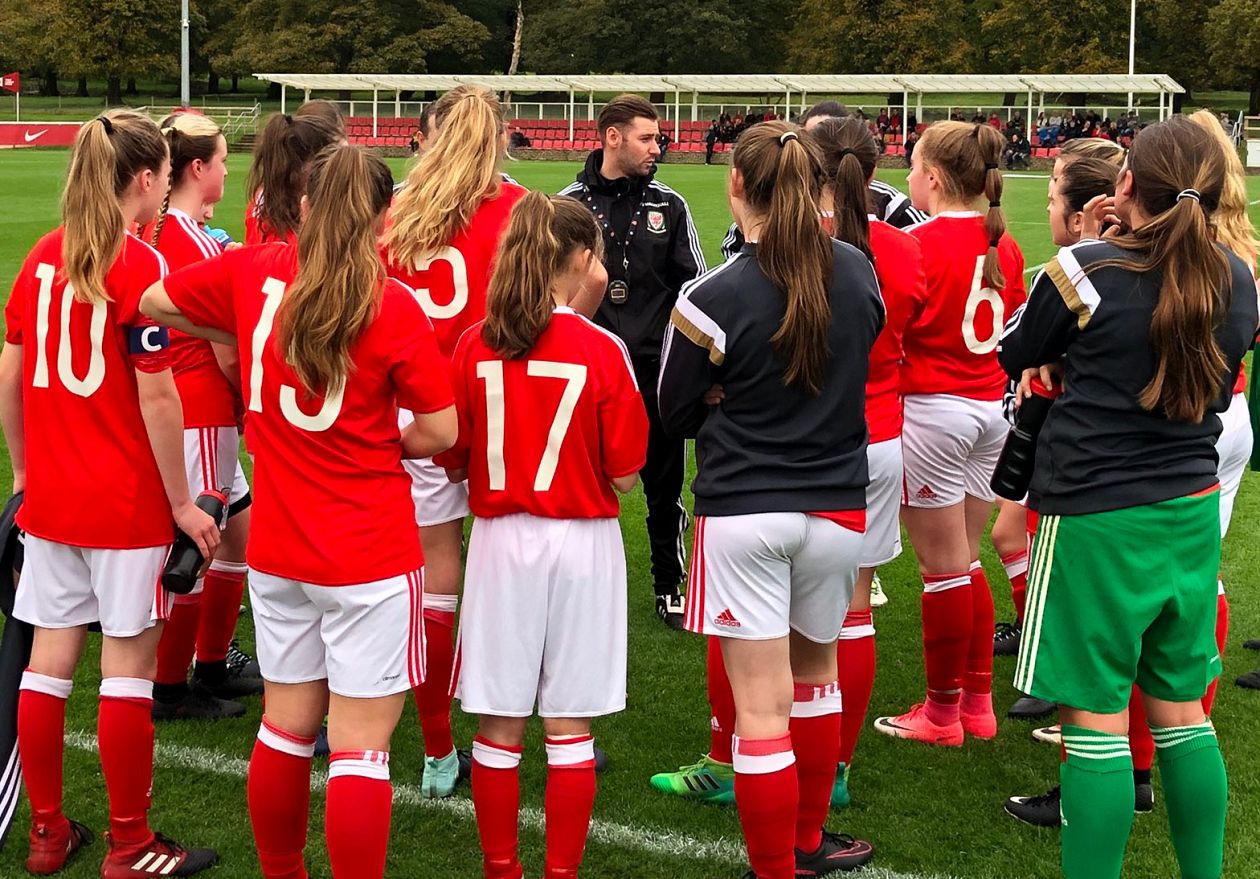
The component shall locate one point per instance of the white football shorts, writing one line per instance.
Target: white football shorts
(882, 541)
(1233, 452)
(64, 586)
(437, 499)
(367, 640)
(757, 576)
(950, 446)
(543, 618)
(212, 458)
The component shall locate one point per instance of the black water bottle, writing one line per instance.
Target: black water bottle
(179, 575)
(1014, 470)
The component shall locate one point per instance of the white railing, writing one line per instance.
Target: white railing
(235, 120)
(705, 111)
(1251, 136)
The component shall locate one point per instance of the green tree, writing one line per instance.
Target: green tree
(116, 39)
(1233, 31)
(367, 36)
(883, 36)
(27, 42)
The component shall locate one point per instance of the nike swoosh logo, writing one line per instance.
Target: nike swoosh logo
(28, 137)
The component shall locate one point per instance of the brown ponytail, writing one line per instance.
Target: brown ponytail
(285, 148)
(109, 151)
(965, 157)
(337, 291)
(1178, 176)
(849, 154)
(783, 178)
(541, 236)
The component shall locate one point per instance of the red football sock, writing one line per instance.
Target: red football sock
(1140, 741)
(947, 618)
(278, 789)
(496, 789)
(767, 795)
(1222, 633)
(569, 801)
(220, 609)
(179, 640)
(357, 813)
(433, 697)
(855, 660)
(124, 733)
(978, 680)
(721, 704)
(1016, 565)
(41, 727)
(815, 734)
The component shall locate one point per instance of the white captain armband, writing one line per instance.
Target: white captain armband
(149, 345)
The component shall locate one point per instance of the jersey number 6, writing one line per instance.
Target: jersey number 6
(491, 372)
(981, 293)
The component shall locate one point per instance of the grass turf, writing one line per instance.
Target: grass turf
(928, 811)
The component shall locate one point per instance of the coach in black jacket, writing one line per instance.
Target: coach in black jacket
(650, 250)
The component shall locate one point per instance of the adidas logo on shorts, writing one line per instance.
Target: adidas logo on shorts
(726, 618)
(926, 494)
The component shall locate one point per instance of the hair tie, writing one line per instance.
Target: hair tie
(995, 204)
(846, 152)
(107, 125)
(990, 166)
(786, 136)
(993, 242)
(288, 118)
(1189, 193)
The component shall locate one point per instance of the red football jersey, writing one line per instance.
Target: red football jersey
(91, 477)
(452, 285)
(332, 503)
(899, 268)
(255, 231)
(209, 398)
(574, 414)
(951, 347)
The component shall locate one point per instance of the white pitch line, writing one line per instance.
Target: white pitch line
(609, 833)
(1034, 269)
(1257, 201)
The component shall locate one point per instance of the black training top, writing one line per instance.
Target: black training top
(1099, 449)
(769, 447)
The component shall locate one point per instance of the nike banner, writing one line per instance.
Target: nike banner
(11, 82)
(38, 134)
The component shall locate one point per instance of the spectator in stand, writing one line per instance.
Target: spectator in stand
(711, 138)
(517, 140)
(995, 120)
(912, 123)
(978, 119)
(1055, 124)
(1017, 151)
(881, 122)
(663, 141)
(912, 138)
(894, 122)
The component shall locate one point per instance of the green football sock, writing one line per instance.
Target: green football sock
(1196, 790)
(1097, 806)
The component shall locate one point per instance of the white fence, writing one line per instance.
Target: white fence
(707, 111)
(235, 120)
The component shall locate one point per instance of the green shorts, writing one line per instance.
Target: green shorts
(1121, 597)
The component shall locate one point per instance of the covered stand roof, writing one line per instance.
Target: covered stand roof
(1101, 83)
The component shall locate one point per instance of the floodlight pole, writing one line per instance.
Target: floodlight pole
(183, 53)
(1132, 42)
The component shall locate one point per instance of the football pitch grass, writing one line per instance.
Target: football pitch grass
(930, 812)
